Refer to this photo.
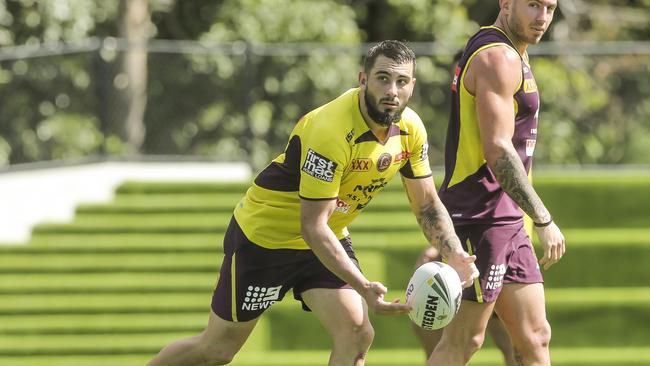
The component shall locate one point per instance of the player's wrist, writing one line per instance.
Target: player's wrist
(455, 255)
(362, 286)
(544, 223)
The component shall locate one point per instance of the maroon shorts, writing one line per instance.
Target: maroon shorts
(253, 278)
(504, 254)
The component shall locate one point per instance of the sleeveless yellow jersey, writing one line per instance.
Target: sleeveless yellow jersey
(470, 191)
(331, 155)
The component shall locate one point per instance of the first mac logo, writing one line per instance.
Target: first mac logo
(319, 166)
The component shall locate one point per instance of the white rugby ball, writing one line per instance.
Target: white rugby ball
(433, 293)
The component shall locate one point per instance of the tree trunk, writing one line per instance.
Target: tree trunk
(127, 92)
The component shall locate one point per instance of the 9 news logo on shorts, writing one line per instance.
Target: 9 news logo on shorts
(319, 166)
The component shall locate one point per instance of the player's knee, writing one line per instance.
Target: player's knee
(220, 357)
(214, 354)
(359, 337)
(363, 336)
(474, 343)
(537, 339)
(465, 345)
(544, 335)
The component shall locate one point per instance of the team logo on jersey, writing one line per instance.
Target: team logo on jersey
(530, 86)
(319, 166)
(350, 135)
(342, 206)
(530, 147)
(360, 165)
(258, 297)
(384, 161)
(424, 155)
(402, 156)
(454, 83)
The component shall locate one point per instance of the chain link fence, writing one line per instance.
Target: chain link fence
(239, 102)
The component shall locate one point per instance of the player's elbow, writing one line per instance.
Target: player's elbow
(495, 151)
(306, 232)
(309, 231)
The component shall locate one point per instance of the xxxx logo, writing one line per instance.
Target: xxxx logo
(361, 165)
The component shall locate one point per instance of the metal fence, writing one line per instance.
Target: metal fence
(239, 101)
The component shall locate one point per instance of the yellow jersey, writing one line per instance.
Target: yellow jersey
(331, 155)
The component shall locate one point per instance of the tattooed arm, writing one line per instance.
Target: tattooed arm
(438, 228)
(511, 174)
(493, 77)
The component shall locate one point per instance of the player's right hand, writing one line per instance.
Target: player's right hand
(464, 265)
(552, 240)
(374, 293)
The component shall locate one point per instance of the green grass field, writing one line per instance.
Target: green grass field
(124, 279)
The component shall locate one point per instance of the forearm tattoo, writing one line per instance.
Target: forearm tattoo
(510, 173)
(438, 228)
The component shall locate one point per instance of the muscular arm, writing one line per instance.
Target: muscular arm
(432, 215)
(437, 227)
(511, 174)
(324, 243)
(493, 77)
(326, 246)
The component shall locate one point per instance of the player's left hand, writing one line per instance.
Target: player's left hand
(374, 292)
(552, 240)
(463, 263)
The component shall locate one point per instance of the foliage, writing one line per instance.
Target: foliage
(242, 93)
(45, 99)
(242, 100)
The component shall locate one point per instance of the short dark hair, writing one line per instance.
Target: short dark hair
(397, 51)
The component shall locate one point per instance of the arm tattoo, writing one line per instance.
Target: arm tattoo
(510, 173)
(437, 227)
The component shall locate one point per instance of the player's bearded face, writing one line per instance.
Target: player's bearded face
(384, 117)
(529, 24)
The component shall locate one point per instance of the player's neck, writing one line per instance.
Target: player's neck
(380, 132)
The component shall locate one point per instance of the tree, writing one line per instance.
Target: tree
(264, 63)
(243, 89)
(46, 100)
(125, 94)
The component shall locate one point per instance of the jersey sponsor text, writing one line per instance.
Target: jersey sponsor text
(401, 156)
(258, 298)
(360, 165)
(319, 166)
(530, 147)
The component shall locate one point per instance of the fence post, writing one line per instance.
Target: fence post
(249, 84)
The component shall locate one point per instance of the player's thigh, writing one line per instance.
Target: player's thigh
(225, 336)
(470, 322)
(428, 338)
(339, 310)
(521, 308)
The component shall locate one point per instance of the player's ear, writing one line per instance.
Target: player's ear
(504, 4)
(412, 88)
(362, 78)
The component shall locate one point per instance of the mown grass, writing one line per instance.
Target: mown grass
(124, 279)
